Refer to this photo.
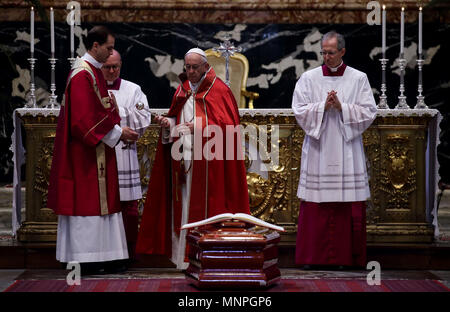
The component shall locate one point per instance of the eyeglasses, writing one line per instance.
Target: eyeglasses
(113, 67)
(194, 67)
(328, 53)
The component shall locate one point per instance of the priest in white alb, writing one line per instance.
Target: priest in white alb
(334, 105)
(135, 114)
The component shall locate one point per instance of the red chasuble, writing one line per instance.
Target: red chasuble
(83, 178)
(218, 186)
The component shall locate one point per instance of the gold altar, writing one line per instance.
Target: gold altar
(400, 148)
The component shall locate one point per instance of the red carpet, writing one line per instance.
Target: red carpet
(181, 285)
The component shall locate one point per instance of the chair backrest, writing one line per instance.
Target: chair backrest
(238, 72)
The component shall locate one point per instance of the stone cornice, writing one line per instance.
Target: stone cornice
(228, 11)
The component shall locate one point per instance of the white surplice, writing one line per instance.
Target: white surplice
(186, 140)
(333, 164)
(135, 114)
(92, 238)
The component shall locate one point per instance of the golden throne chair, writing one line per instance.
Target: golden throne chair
(238, 74)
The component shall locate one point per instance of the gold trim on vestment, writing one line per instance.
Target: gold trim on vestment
(106, 102)
(101, 173)
(83, 65)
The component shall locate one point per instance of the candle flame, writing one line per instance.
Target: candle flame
(32, 8)
(403, 9)
(384, 7)
(51, 8)
(420, 9)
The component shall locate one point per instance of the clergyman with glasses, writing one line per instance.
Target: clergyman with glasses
(185, 186)
(135, 114)
(334, 105)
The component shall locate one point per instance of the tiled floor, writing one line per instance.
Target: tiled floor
(7, 277)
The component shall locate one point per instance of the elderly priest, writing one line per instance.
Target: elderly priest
(192, 188)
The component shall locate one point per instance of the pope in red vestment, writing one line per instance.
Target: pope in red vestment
(83, 179)
(217, 186)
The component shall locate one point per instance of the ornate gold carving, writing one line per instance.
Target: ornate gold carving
(400, 232)
(43, 167)
(395, 151)
(371, 141)
(398, 176)
(266, 195)
(37, 231)
(297, 137)
(42, 175)
(146, 150)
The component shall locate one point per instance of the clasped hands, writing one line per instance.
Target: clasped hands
(184, 128)
(332, 101)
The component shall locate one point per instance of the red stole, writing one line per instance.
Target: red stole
(83, 121)
(218, 186)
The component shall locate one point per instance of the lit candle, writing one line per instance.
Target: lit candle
(52, 32)
(383, 32)
(402, 30)
(32, 32)
(420, 31)
(72, 21)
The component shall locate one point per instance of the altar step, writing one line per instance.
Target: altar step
(436, 256)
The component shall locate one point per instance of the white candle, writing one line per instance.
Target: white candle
(72, 21)
(420, 30)
(52, 32)
(402, 30)
(32, 31)
(383, 32)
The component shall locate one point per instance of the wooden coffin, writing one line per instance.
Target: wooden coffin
(232, 254)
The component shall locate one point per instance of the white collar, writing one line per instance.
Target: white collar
(194, 86)
(92, 60)
(335, 69)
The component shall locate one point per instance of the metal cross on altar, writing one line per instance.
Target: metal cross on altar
(226, 50)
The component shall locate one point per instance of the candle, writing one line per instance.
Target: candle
(32, 32)
(72, 21)
(52, 32)
(402, 31)
(383, 32)
(420, 31)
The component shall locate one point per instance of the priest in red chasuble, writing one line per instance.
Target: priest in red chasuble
(334, 105)
(185, 186)
(84, 189)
